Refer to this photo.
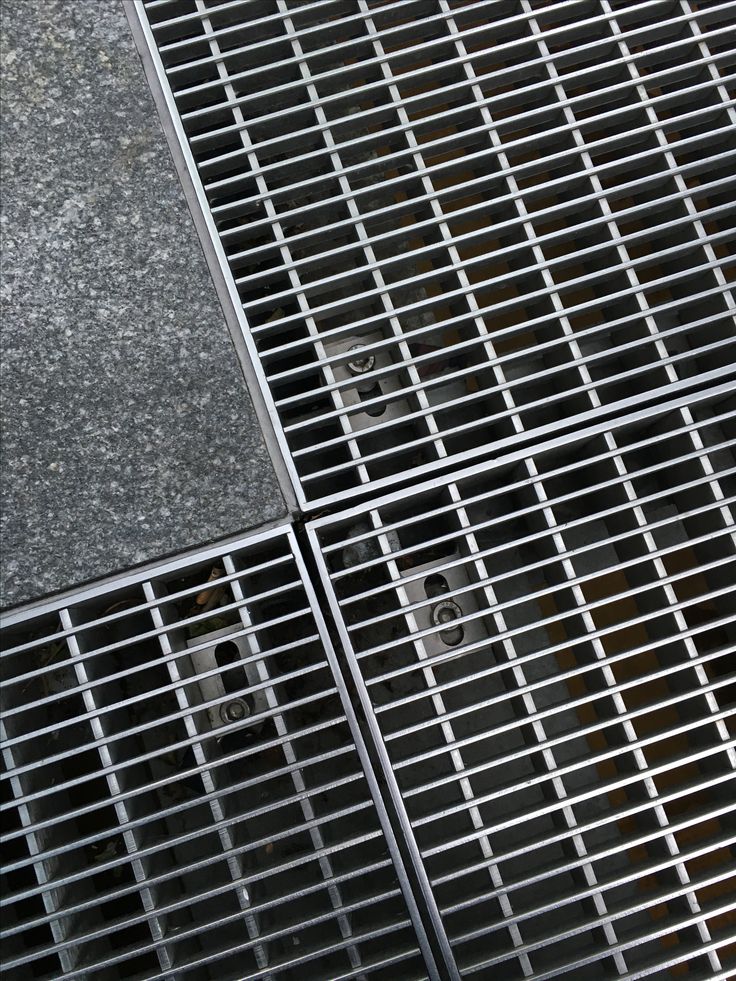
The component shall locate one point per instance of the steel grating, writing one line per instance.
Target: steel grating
(444, 233)
(184, 792)
(449, 226)
(544, 649)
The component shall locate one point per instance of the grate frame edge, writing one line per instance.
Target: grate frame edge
(222, 278)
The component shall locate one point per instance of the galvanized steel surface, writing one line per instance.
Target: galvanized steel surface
(544, 650)
(145, 833)
(488, 245)
(520, 212)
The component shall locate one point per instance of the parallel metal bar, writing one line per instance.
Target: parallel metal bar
(139, 607)
(673, 926)
(184, 773)
(407, 128)
(610, 816)
(654, 257)
(588, 386)
(599, 633)
(574, 203)
(304, 34)
(239, 851)
(588, 607)
(479, 156)
(498, 50)
(331, 789)
(495, 102)
(591, 459)
(478, 183)
(615, 484)
(208, 894)
(141, 872)
(302, 795)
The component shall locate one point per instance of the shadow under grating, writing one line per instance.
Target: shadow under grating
(546, 648)
(450, 225)
(182, 791)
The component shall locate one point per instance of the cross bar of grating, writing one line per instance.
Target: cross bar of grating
(545, 651)
(447, 226)
(186, 793)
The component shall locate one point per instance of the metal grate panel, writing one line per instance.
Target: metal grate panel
(447, 226)
(545, 651)
(184, 793)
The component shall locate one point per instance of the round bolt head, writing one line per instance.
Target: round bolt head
(234, 711)
(362, 362)
(444, 613)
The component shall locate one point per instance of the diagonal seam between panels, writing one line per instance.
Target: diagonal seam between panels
(444, 227)
(186, 790)
(76, 634)
(440, 231)
(543, 648)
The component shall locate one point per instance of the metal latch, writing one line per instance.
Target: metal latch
(446, 599)
(228, 689)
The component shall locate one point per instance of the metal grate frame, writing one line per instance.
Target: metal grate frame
(186, 793)
(444, 232)
(545, 651)
(447, 227)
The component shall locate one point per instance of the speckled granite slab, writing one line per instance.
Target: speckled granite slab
(128, 430)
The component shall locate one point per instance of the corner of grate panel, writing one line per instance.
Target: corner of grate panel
(545, 649)
(445, 228)
(185, 789)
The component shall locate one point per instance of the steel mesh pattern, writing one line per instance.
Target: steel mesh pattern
(545, 650)
(182, 792)
(452, 223)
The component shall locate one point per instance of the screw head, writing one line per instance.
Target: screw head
(234, 711)
(444, 613)
(362, 362)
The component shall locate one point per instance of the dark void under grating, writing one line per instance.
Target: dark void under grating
(548, 651)
(182, 795)
(452, 223)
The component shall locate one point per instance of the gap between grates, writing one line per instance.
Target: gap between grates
(437, 235)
